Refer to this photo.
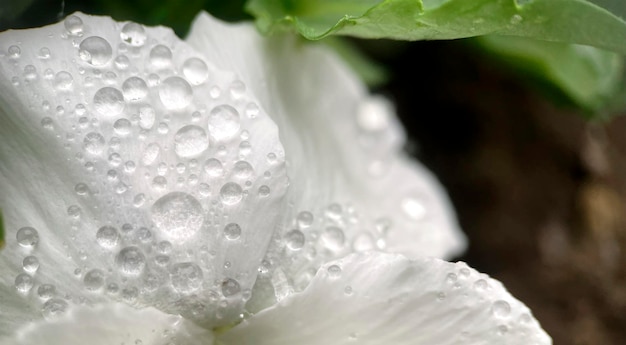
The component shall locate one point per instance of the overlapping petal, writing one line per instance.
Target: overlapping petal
(377, 298)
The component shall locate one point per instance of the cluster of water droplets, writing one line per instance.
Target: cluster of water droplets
(175, 156)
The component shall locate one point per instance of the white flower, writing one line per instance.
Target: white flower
(229, 189)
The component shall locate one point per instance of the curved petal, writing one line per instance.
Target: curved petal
(112, 324)
(130, 170)
(377, 298)
(352, 188)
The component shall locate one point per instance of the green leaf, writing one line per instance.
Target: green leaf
(587, 76)
(571, 21)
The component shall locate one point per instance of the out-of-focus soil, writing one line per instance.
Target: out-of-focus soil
(539, 191)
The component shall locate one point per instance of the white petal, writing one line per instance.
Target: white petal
(108, 124)
(376, 298)
(343, 148)
(112, 324)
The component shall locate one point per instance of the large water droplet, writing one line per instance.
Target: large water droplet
(73, 25)
(231, 193)
(27, 237)
(161, 56)
(224, 122)
(94, 279)
(122, 127)
(230, 287)
(130, 261)
(196, 71)
(190, 141)
(175, 93)
(94, 143)
(186, 277)
(133, 34)
(232, 231)
(107, 237)
(295, 239)
(53, 308)
(109, 101)
(178, 215)
(134, 89)
(95, 50)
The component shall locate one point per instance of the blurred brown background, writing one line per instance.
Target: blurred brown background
(539, 191)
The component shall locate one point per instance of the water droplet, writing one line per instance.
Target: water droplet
(334, 271)
(63, 81)
(178, 215)
(94, 143)
(501, 309)
(147, 116)
(295, 239)
(30, 73)
(94, 280)
(481, 284)
(243, 170)
(23, 282)
(231, 193)
(14, 52)
(134, 89)
(214, 167)
(109, 101)
(74, 25)
(47, 123)
(196, 71)
(81, 189)
(130, 261)
(304, 219)
(133, 34)
(122, 127)
(252, 110)
(363, 242)
(516, 19)
(190, 141)
(232, 231)
(333, 238)
(161, 56)
(372, 116)
(30, 264)
(150, 154)
(53, 308)
(413, 207)
(107, 237)
(95, 50)
(44, 53)
(186, 277)
(264, 191)
(122, 62)
(224, 122)
(47, 291)
(175, 93)
(230, 287)
(27, 237)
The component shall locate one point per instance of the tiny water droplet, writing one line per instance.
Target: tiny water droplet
(230, 287)
(295, 239)
(107, 237)
(94, 279)
(232, 231)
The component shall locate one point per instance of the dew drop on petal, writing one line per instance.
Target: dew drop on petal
(73, 25)
(304, 219)
(186, 277)
(501, 309)
(30, 264)
(195, 70)
(230, 287)
(190, 141)
(333, 238)
(27, 237)
(224, 122)
(107, 237)
(160, 56)
(95, 50)
(134, 89)
(94, 279)
(413, 207)
(53, 308)
(46, 291)
(232, 231)
(175, 93)
(147, 116)
(63, 81)
(243, 170)
(94, 143)
(334, 271)
(130, 261)
(213, 167)
(231, 193)
(295, 239)
(264, 191)
(122, 127)
(23, 282)
(150, 154)
(178, 215)
(133, 34)
(109, 101)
